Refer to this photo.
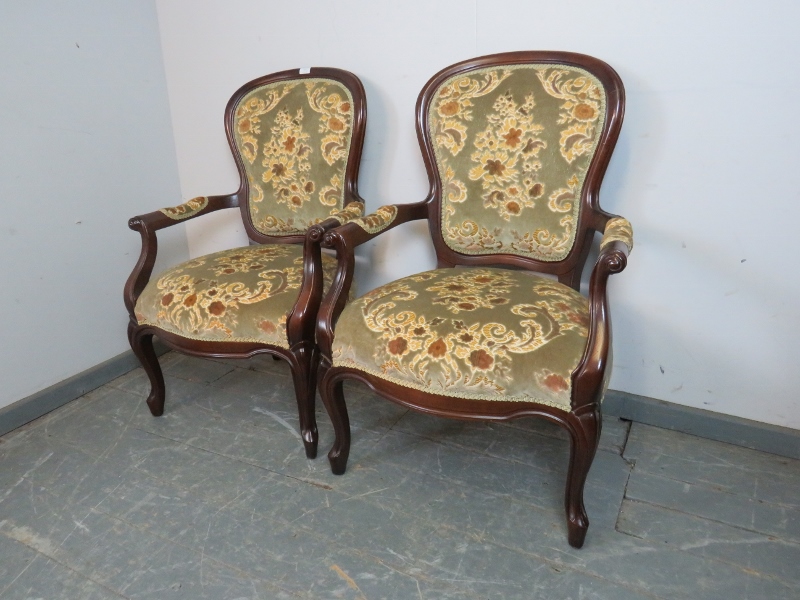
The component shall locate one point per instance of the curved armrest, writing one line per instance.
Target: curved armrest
(147, 225)
(587, 380)
(344, 240)
(172, 215)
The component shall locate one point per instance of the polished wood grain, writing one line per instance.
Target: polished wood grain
(302, 354)
(584, 421)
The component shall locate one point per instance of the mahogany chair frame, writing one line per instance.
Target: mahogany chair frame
(302, 354)
(584, 420)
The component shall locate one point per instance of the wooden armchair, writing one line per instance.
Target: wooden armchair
(516, 146)
(297, 141)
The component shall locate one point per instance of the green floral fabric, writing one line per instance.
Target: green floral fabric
(185, 210)
(239, 295)
(475, 333)
(294, 138)
(352, 211)
(379, 220)
(618, 230)
(512, 147)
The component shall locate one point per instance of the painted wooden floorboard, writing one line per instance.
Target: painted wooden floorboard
(216, 499)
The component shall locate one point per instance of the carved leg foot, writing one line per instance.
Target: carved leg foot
(142, 346)
(305, 380)
(333, 398)
(584, 437)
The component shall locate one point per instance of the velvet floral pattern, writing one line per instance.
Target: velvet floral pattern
(187, 209)
(480, 333)
(512, 148)
(618, 230)
(294, 140)
(379, 220)
(352, 211)
(239, 295)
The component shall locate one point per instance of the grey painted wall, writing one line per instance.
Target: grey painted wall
(86, 142)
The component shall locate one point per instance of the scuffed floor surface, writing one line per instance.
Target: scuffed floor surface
(216, 500)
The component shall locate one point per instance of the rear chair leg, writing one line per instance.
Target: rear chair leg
(142, 346)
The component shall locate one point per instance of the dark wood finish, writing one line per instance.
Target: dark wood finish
(584, 421)
(302, 354)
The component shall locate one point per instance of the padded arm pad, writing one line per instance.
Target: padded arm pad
(618, 230)
(379, 220)
(351, 212)
(186, 210)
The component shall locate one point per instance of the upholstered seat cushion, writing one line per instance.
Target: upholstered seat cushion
(239, 295)
(475, 333)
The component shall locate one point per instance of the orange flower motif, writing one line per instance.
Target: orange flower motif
(513, 136)
(267, 327)
(584, 112)
(216, 308)
(555, 383)
(438, 348)
(398, 346)
(448, 109)
(480, 359)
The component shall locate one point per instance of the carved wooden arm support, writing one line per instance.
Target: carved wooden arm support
(614, 250)
(149, 223)
(344, 240)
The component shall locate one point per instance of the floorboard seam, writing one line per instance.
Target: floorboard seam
(627, 437)
(712, 520)
(715, 488)
(657, 544)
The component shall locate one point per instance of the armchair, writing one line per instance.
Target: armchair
(296, 139)
(516, 146)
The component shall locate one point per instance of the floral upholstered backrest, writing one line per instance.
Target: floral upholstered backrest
(512, 146)
(294, 139)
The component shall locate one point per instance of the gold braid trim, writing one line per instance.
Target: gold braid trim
(618, 230)
(185, 210)
(492, 397)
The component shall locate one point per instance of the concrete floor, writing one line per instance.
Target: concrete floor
(216, 500)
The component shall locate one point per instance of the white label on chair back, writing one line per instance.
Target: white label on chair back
(305, 70)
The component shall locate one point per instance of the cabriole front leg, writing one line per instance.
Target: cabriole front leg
(333, 398)
(305, 386)
(585, 425)
(142, 346)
